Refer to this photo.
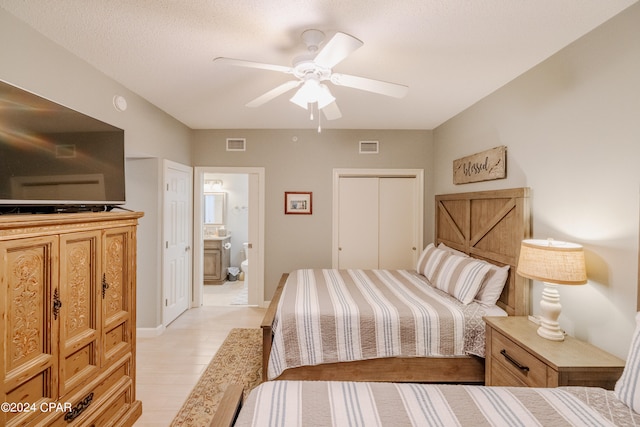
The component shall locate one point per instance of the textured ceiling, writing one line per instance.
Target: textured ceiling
(451, 53)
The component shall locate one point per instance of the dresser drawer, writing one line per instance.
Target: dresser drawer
(517, 367)
(116, 408)
(92, 398)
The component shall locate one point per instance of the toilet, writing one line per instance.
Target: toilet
(244, 265)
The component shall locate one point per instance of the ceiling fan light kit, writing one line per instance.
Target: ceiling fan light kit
(313, 91)
(316, 67)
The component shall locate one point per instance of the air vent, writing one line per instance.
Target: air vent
(369, 147)
(236, 144)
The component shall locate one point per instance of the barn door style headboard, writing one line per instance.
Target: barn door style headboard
(489, 225)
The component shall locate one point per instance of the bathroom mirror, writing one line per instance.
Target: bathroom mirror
(215, 208)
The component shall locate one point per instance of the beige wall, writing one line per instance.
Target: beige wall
(303, 241)
(572, 130)
(571, 127)
(32, 62)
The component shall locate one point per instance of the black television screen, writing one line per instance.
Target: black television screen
(54, 157)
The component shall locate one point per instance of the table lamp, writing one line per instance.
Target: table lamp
(552, 262)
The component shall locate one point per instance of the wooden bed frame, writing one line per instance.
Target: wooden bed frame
(488, 225)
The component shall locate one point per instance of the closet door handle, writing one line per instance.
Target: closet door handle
(513, 361)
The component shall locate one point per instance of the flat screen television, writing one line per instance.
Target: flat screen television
(55, 159)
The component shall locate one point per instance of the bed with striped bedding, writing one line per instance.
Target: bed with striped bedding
(322, 403)
(328, 316)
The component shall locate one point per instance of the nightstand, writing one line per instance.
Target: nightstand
(517, 356)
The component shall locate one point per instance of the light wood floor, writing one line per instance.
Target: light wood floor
(168, 366)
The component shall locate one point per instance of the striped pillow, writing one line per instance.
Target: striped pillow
(627, 388)
(460, 277)
(429, 260)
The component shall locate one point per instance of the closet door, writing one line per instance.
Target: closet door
(377, 222)
(358, 223)
(397, 223)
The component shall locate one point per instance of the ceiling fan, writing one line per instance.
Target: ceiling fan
(314, 68)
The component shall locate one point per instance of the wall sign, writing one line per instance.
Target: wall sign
(485, 166)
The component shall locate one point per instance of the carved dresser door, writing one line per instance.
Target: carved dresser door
(28, 359)
(118, 259)
(80, 293)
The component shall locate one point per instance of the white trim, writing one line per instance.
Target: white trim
(389, 173)
(150, 332)
(256, 293)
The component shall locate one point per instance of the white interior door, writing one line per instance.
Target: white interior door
(177, 235)
(358, 223)
(397, 227)
(255, 225)
(378, 218)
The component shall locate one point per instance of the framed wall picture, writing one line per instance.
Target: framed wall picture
(297, 203)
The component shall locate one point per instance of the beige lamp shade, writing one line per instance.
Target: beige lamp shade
(552, 261)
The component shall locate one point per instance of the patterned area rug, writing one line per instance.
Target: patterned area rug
(238, 360)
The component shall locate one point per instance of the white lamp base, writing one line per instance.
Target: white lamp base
(550, 311)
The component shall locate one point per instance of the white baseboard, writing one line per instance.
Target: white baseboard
(150, 332)
(265, 304)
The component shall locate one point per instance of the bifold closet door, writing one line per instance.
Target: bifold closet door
(397, 223)
(377, 222)
(358, 223)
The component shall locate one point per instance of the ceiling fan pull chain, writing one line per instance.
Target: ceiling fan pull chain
(319, 126)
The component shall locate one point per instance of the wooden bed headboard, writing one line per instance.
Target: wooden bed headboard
(489, 225)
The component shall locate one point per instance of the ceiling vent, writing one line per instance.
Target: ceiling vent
(236, 144)
(369, 147)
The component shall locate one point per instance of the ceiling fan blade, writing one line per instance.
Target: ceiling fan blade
(336, 49)
(273, 93)
(252, 64)
(331, 111)
(377, 86)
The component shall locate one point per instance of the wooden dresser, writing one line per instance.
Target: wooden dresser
(68, 324)
(517, 356)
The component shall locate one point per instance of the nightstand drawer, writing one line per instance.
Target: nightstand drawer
(518, 365)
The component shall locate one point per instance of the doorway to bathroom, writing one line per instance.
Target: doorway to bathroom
(228, 236)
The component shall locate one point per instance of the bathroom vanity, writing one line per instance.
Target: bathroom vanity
(216, 260)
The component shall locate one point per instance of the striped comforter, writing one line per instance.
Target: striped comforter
(317, 403)
(327, 316)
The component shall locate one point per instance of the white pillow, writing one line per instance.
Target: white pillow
(429, 260)
(460, 277)
(493, 284)
(627, 388)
